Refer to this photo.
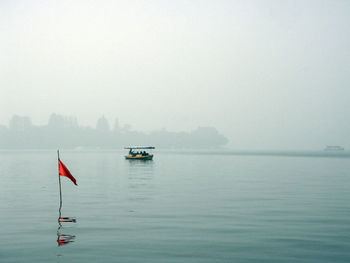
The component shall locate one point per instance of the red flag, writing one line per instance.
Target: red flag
(63, 171)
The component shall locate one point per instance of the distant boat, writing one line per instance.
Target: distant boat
(139, 155)
(334, 148)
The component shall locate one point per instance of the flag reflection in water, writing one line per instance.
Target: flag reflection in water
(64, 239)
(67, 219)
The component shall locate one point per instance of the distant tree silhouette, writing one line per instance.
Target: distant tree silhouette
(56, 121)
(20, 123)
(102, 124)
(116, 126)
(64, 132)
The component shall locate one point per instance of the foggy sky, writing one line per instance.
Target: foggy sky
(266, 74)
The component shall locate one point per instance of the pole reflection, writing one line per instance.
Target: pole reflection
(64, 238)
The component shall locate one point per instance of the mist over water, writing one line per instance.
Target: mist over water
(267, 75)
(246, 103)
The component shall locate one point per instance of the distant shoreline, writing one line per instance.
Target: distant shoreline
(282, 153)
(228, 152)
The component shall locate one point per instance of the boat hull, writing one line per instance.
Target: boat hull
(139, 157)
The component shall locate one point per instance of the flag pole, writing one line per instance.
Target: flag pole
(59, 177)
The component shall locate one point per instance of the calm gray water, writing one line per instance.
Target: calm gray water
(180, 207)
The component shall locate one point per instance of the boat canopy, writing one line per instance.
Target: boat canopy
(139, 147)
